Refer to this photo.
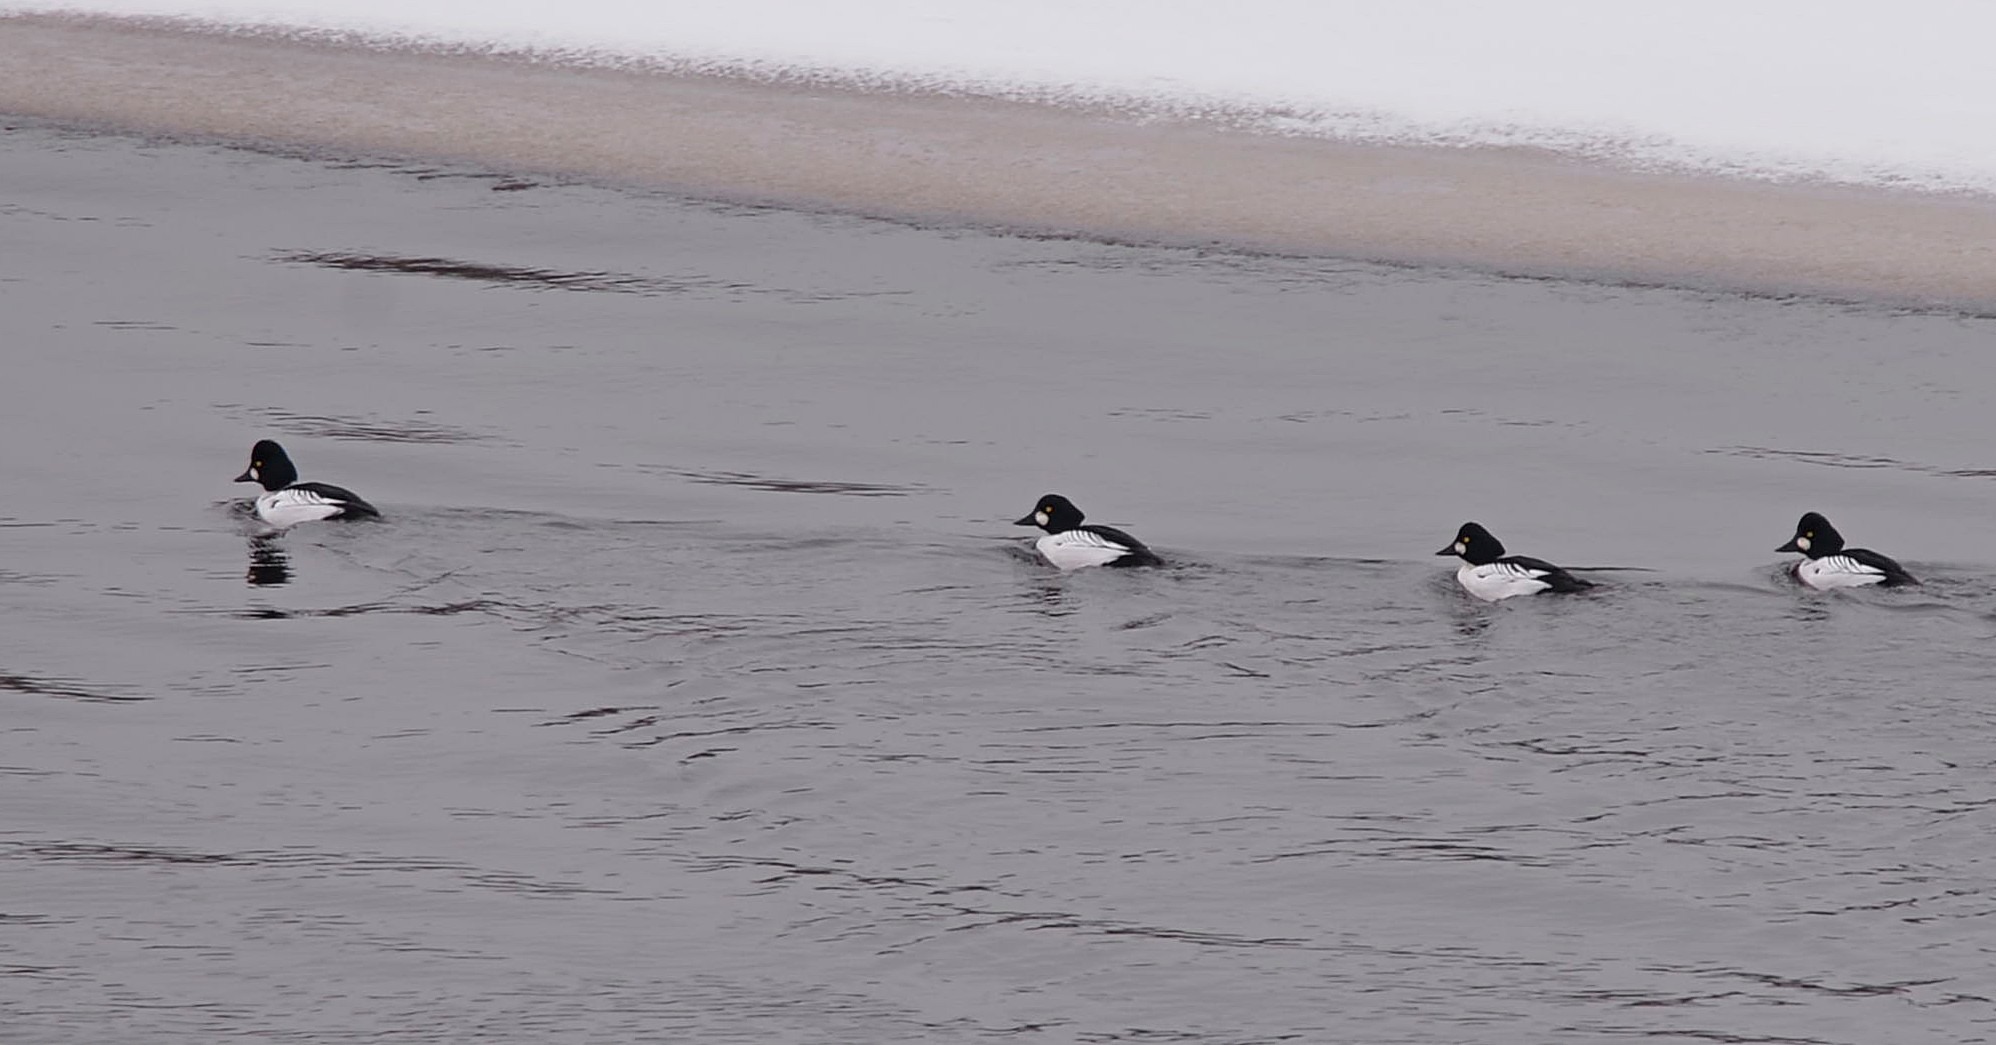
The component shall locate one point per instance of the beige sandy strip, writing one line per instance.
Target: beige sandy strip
(1006, 164)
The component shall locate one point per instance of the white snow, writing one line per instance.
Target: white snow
(1897, 94)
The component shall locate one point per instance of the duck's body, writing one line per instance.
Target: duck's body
(1490, 575)
(1069, 543)
(1827, 564)
(286, 502)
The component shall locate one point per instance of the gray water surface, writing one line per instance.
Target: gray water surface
(696, 685)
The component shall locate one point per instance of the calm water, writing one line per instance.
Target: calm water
(697, 686)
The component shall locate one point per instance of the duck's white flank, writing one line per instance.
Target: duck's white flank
(1835, 571)
(1495, 581)
(292, 506)
(1070, 549)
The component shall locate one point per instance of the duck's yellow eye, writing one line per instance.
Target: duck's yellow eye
(1810, 534)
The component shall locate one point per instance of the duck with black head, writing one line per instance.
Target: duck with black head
(286, 502)
(1827, 564)
(1490, 575)
(1069, 543)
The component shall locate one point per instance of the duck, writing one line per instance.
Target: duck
(1490, 575)
(1827, 564)
(287, 502)
(1069, 543)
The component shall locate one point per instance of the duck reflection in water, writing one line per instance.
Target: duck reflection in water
(269, 564)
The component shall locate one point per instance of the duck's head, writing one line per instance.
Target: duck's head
(1474, 544)
(1814, 537)
(1053, 515)
(269, 466)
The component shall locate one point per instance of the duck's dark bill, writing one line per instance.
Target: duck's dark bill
(246, 477)
(1449, 551)
(1026, 521)
(1791, 546)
